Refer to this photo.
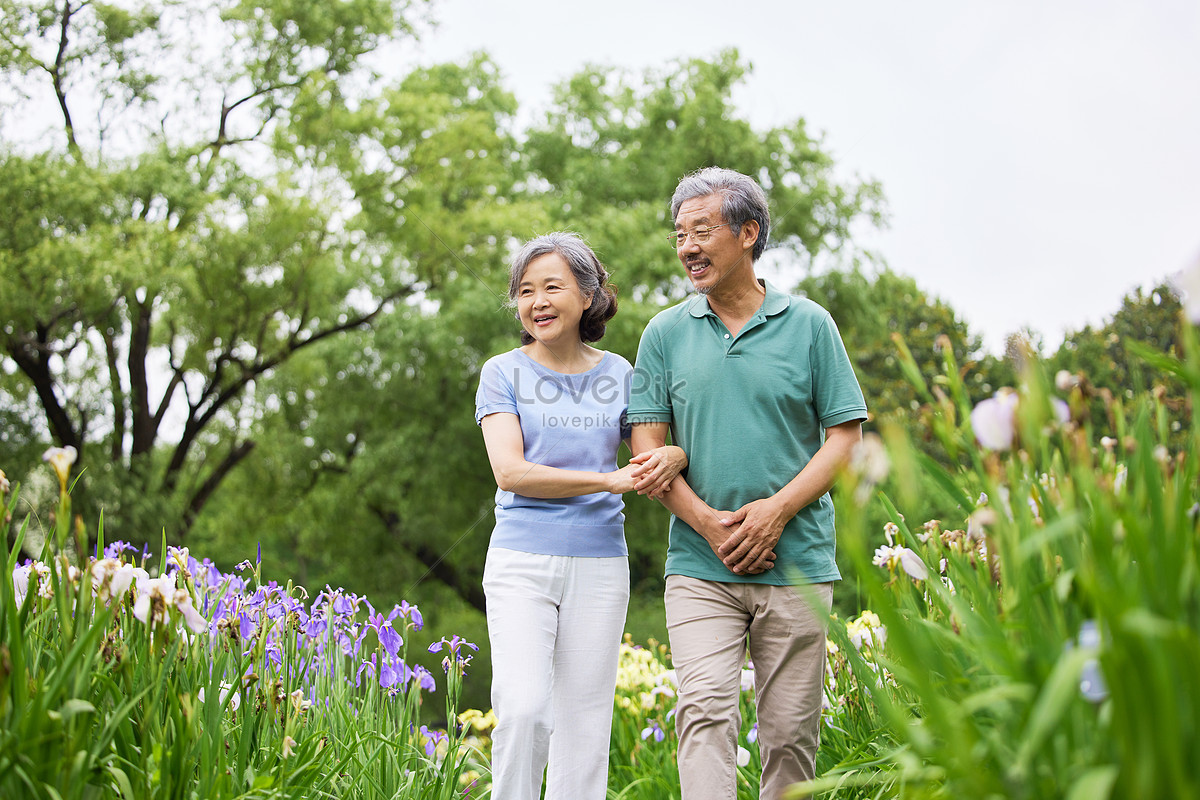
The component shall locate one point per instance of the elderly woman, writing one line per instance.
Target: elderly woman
(557, 574)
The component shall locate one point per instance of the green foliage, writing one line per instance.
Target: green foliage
(872, 310)
(614, 146)
(1042, 647)
(1109, 363)
(105, 692)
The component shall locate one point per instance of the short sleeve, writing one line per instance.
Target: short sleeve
(495, 392)
(836, 393)
(649, 395)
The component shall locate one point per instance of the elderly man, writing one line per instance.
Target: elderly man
(757, 388)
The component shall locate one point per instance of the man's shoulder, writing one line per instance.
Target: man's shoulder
(671, 314)
(802, 306)
(672, 322)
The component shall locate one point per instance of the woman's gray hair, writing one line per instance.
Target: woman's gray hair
(589, 273)
(742, 200)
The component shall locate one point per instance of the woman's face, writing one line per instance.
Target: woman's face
(549, 302)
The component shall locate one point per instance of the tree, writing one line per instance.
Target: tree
(871, 310)
(257, 297)
(392, 477)
(162, 265)
(1101, 359)
(614, 146)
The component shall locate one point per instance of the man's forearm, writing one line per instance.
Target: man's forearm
(821, 471)
(687, 505)
(681, 500)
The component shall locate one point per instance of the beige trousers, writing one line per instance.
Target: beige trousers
(710, 625)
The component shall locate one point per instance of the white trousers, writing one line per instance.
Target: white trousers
(555, 625)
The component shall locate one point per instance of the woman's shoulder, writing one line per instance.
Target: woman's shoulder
(615, 362)
(503, 359)
(507, 363)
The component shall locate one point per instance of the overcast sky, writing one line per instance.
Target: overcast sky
(1040, 159)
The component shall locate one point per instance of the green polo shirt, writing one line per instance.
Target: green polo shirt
(750, 411)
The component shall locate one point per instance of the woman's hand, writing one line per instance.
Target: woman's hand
(621, 481)
(657, 468)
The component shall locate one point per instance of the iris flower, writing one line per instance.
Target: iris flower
(655, 730)
(112, 579)
(156, 598)
(61, 458)
(412, 614)
(995, 420)
(890, 557)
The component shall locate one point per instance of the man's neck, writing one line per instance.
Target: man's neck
(737, 298)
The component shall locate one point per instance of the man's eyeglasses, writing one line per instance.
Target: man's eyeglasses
(699, 235)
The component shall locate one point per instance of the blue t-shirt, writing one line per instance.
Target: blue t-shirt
(571, 422)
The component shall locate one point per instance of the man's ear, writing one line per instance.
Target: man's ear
(749, 234)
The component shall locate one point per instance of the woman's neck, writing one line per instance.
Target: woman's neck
(570, 359)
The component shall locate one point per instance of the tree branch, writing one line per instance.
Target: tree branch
(57, 76)
(120, 411)
(202, 494)
(176, 380)
(469, 587)
(34, 362)
(220, 396)
(142, 423)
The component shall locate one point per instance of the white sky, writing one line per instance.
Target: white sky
(1040, 159)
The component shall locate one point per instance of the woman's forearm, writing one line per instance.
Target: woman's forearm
(549, 483)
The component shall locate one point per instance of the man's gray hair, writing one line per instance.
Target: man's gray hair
(742, 200)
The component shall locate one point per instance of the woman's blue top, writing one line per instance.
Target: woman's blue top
(573, 422)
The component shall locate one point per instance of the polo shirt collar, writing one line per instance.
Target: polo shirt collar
(774, 303)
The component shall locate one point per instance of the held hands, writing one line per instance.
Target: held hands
(755, 529)
(657, 468)
(622, 480)
(723, 531)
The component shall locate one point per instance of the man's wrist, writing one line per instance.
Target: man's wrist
(785, 507)
(711, 529)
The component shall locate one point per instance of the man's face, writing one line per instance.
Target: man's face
(708, 262)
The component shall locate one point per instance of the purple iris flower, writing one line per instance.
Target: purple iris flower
(655, 730)
(411, 613)
(391, 641)
(315, 627)
(246, 626)
(348, 639)
(345, 604)
(424, 677)
(115, 549)
(432, 738)
(454, 644)
(393, 673)
(369, 667)
(225, 606)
